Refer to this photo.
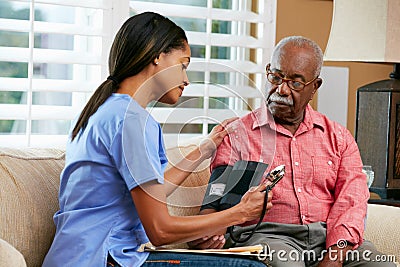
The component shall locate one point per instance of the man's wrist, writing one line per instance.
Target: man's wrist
(338, 252)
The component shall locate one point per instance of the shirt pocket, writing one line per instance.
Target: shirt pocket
(324, 177)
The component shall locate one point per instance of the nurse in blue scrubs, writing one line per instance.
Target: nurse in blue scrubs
(114, 185)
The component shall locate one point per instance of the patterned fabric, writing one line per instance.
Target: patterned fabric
(383, 229)
(323, 181)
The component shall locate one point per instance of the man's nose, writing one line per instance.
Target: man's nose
(283, 89)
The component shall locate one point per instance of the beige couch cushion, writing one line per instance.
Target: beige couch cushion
(29, 182)
(383, 228)
(9, 256)
(187, 199)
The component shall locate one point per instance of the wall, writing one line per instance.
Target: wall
(312, 19)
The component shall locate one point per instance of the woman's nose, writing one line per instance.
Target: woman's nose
(185, 79)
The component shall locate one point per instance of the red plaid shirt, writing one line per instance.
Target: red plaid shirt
(323, 180)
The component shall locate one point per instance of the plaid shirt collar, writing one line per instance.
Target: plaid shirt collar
(311, 119)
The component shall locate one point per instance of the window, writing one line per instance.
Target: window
(54, 53)
(231, 41)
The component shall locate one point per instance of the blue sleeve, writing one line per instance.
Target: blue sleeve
(138, 151)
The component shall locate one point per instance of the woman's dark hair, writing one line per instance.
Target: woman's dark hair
(140, 40)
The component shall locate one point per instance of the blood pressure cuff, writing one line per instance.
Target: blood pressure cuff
(216, 187)
(228, 184)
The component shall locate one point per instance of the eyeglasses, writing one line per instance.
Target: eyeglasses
(275, 79)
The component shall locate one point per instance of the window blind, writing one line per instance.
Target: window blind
(54, 53)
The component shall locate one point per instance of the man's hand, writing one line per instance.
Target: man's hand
(208, 242)
(335, 256)
(217, 240)
(326, 262)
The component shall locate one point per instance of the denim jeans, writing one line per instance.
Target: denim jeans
(160, 259)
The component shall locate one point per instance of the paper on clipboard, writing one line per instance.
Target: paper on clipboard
(243, 251)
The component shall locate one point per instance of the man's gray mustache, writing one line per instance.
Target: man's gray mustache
(280, 99)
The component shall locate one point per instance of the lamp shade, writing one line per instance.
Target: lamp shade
(365, 30)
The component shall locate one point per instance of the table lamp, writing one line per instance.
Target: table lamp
(369, 31)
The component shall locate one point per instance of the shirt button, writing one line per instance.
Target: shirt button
(296, 163)
(236, 136)
(299, 190)
(303, 217)
(294, 138)
(329, 163)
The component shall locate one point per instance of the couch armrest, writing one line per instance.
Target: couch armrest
(29, 183)
(10, 256)
(382, 228)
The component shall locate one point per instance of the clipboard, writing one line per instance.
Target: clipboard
(253, 250)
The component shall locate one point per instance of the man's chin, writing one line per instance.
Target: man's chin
(276, 108)
(279, 114)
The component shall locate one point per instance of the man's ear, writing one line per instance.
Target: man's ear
(317, 84)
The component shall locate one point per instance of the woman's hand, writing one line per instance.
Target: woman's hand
(181, 170)
(215, 137)
(253, 201)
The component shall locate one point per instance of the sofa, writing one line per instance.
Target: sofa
(29, 180)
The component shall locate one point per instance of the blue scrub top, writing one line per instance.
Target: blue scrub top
(120, 148)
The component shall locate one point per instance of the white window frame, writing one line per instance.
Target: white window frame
(114, 14)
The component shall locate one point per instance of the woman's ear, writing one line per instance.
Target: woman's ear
(156, 61)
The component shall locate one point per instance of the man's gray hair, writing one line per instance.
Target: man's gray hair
(301, 42)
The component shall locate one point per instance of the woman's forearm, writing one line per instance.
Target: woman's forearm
(180, 171)
(176, 174)
(162, 228)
